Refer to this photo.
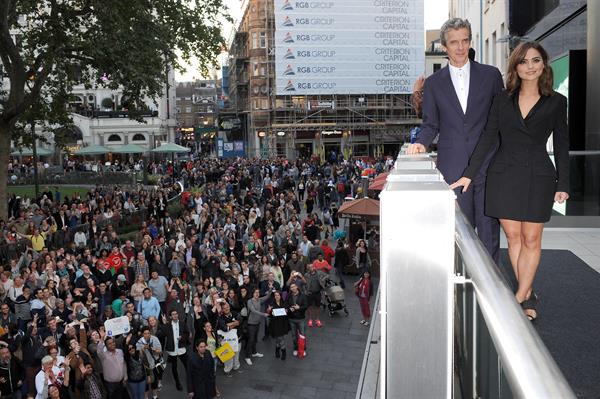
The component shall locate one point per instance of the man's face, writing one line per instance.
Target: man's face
(174, 316)
(5, 310)
(5, 355)
(457, 46)
(202, 348)
(51, 324)
(130, 307)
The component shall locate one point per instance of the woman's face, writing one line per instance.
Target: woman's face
(277, 296)
(207, 327)
(256, 294)
(531, 67)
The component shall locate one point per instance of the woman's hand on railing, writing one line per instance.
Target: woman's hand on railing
(463, 182)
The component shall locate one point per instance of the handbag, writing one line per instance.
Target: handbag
(225, 352)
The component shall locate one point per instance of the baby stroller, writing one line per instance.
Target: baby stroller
(334, 293)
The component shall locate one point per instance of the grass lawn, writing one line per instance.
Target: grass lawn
(29, 191)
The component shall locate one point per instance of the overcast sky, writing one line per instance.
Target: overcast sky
(436, 12)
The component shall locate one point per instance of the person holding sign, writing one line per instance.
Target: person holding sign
(279, 325)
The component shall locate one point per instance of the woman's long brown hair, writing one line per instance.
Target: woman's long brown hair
(513, 81)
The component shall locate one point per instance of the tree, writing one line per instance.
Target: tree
(49, 46)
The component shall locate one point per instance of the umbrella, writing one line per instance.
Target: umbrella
(28, 152)
(171, 148)
(128, 149)
(377, 184)
(364, 208)
(92, 150)
(381, 176)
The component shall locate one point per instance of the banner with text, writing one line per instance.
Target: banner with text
(348, 46)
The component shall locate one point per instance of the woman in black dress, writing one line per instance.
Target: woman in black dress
(522, 182)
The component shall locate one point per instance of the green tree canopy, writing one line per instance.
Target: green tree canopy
(49, 46)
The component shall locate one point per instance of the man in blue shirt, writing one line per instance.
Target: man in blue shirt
(149, 306)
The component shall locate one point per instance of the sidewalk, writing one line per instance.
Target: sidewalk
(330, 370)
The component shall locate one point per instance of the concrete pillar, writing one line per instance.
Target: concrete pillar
(593, 82)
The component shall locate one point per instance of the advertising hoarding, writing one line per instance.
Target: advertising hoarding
(348, 47)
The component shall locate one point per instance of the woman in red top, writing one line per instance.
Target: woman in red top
(364, 290)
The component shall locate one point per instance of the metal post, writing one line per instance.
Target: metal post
(417, 349)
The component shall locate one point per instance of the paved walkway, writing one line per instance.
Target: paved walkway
(330, 370)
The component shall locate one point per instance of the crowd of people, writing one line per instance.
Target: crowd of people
(238, 256)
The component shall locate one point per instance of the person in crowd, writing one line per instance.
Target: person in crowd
(362, 257)
(523, 186)
(363, 289)
(313, 294)
(113, 366)
(296, 305)
(255, 316)
(12, 374)
(149, 305)
(138, 372)
(201, 377)
(340, 261)
(447, 95)
(279, 324)
(176, 335)
(227, 323)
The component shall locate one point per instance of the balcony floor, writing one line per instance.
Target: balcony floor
(568, 283)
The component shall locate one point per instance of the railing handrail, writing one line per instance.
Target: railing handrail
(529, 368)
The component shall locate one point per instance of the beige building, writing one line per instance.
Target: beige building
(489, 23)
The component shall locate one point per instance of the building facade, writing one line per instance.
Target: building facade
(197, 106)
(305, 125)
(104, 117)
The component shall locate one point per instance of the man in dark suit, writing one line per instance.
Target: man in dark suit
(176, 336)
(456, 103)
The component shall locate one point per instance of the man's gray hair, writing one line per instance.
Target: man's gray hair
(454, 24)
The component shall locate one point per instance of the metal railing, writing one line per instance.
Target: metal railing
(450, 325)
(500, 355)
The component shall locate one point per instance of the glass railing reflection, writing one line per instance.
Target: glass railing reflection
(585, 185)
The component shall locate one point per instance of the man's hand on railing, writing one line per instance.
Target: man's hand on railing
(463, 182)
(416, 148)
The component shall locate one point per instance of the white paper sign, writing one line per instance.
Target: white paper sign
(117, 326)
(279, 312)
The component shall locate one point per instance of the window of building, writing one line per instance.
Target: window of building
(254, 40)
(188, 109)
(263, 40)
(114, 138)
(436, 67)
(138, 137)
(255, 69)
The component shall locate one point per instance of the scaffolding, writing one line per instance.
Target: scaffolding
(276, 123)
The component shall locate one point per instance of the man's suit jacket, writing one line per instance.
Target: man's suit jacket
(166, 332)
(442, 115)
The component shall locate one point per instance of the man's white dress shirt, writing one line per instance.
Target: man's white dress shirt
(460, 80)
